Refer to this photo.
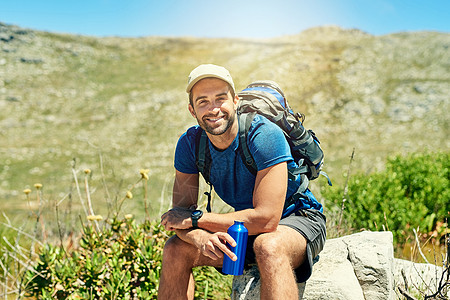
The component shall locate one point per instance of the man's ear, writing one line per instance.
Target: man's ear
(192, 111)
(236, 101)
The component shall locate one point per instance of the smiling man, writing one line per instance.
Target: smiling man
(283, 248)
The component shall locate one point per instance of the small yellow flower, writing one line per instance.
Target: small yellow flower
(129, 195)
(87, 171)
(94, 217)
(128, 216)
(38, 185)
(144, 173)
(27, 191)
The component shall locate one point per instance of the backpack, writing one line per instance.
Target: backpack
(267, 99)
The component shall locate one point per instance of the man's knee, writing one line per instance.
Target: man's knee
(267, 247)
(174, 248)
(279, 247)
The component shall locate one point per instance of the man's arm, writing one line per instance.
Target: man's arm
(269, 196)
(268, 200)
(185, 190)
(184, 201)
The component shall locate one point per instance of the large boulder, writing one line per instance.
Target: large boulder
(358, 266)
(372, 257)
(333, 276)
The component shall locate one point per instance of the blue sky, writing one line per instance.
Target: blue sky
(225, 18)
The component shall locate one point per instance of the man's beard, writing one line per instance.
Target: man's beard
(228, 122)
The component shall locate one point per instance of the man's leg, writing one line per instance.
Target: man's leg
(278, 253)
(176, 280)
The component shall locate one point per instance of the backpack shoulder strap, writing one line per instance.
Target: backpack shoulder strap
(291, 204)
(203, 161)
(203, 156)
(245, 121)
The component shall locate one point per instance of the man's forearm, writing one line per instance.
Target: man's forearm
(269, 195)
(254, 221)
(188, 235)
(183, 235)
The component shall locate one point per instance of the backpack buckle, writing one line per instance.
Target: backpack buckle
(300, 117)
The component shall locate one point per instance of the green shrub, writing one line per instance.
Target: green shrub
(120, 262)
(413, 191)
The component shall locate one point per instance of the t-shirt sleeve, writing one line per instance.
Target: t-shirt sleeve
(185, 152)
(268, 145)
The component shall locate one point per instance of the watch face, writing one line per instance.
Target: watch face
(197, 213)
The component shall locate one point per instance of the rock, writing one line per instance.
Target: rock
(246, 286)
(333, 275)
(5, 37)
(12, 99)
(31, 60)
(419, 277)
(358, 266)
(372, 258)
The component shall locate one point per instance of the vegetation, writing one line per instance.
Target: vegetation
(70, 104)
(103, 258)
(410, 196)
(121, 261)
(120, 258)
(64, 97)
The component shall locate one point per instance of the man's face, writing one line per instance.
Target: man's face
(213, 105)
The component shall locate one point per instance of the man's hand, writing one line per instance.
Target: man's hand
(213, 245)
(177, 218)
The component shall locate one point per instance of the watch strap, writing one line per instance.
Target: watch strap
(194, 222)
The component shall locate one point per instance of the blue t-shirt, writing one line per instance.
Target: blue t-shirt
(231, 179)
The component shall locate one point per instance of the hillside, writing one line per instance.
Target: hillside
(121, 101)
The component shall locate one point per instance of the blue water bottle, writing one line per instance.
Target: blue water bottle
(240, 234)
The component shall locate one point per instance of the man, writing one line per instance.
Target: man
(283, 249)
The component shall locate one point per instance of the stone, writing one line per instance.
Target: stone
(31, 60)
(358, 266)
(247, 285)
(4, 37)
(333, 276)
(420, 277)
(372, 257)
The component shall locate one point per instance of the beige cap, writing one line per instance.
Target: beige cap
(206, 71)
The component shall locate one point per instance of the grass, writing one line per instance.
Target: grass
(118, 105)
(61, 222)
(125, 98)
(52, 241)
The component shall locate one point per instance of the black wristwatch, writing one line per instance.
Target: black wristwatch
(195, 216)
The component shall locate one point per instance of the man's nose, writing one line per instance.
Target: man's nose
(215, 107)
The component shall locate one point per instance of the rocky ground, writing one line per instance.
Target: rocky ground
(358, 266)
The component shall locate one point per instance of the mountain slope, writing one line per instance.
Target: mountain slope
(122, 100)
